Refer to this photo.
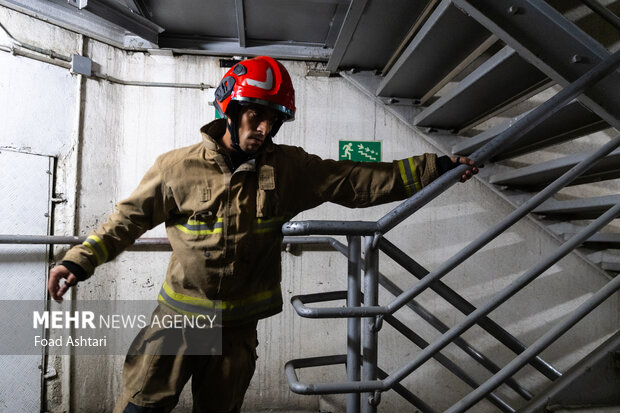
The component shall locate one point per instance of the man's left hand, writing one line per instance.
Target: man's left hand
(465, 161)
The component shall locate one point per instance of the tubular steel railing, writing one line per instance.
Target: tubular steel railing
(354, 356)
(363, 373)
(364, 376)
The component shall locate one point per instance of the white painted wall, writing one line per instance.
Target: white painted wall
(124, 128)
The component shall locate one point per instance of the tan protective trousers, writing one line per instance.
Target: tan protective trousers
(152, 383)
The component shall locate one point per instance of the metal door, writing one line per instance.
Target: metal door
(25, 196)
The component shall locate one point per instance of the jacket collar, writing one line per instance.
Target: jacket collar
(211, 133)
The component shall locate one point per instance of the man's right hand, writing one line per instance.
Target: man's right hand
(53, 285)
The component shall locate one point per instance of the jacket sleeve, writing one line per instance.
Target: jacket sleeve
(145, 208)
(361, 184)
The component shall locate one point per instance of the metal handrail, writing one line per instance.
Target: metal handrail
(450, 296)
(19, 239)
(337, 246)
(374, 231)
(447, 338)
(68, 240)
(414, 338)
(508, 292)
(460, 303)
(468, 251)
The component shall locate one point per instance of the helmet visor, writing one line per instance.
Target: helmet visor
(288, 114)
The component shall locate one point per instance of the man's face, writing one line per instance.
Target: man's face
(255, 123)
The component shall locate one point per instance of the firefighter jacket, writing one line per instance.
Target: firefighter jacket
(225, 228)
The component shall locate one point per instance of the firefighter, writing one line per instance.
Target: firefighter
(223, 202)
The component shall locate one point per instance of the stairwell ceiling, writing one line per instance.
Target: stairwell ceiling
(342, 33)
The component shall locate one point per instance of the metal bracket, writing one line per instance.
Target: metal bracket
(81, 65)
(80, 4)
(121, 16)
(50, 373)
(375, 399)
(378, 324)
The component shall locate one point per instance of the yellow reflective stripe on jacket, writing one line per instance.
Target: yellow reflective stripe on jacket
(268, 225)
(264, 302)
(96, 245)
(409, 175)
(194, 227)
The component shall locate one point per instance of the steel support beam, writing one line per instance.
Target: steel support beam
(446, 39)
(336, 24)
(120, 15)
(59, 12)
(553, 44)
(354, 14)
(540, 175)
(577, 209)
(240, 22)
(230, 47)
(570, 122)
(499, 83)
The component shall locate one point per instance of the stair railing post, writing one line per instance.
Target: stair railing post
(371, 298)
(354, 324)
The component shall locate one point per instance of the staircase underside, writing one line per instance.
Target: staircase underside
(468, 70)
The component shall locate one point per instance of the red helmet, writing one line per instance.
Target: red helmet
(261, 80)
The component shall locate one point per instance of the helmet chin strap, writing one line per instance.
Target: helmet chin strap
(237, 155)
(231, 125)
(234, 136)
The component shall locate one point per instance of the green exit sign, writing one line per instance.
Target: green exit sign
(360, 151)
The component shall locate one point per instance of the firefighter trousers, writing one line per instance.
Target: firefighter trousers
(152, 381)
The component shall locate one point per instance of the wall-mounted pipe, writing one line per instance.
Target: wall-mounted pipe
(57, 59)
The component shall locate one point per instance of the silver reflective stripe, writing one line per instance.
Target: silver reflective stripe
(96, 245)
(194, 309)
